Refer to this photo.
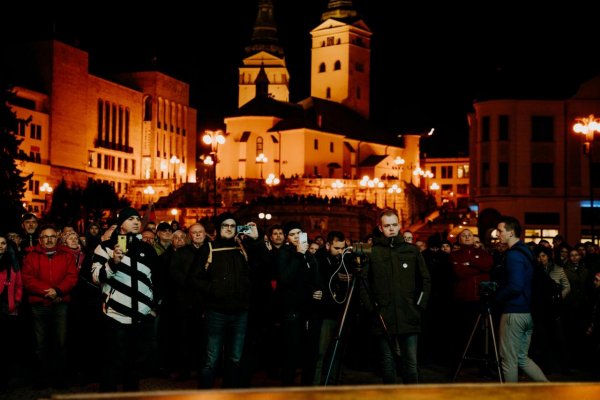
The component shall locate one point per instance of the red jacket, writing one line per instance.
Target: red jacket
(471, 266)
(41, 272)
(14, 288)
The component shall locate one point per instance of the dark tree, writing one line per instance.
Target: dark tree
(98, 197)
(12, 183)
(66, 205)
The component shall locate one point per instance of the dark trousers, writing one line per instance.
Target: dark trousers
(126, 350)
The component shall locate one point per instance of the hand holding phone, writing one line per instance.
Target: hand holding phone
(303, 237)
(122, 242)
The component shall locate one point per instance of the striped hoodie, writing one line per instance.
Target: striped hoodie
(127, 287)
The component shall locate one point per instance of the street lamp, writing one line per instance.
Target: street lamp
(588, 126)
(271, 181)
(394, 190)
(174, 162)
(261, 159)
(399, 161)
(47, 190)
(214, 139)
(149, 191)
(264, 217)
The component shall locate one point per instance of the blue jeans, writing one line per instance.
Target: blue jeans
(229, 331)
(407, 346)
(50, 327)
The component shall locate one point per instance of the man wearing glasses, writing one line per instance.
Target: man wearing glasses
(225, 284)
(399, 289)
(49, 275)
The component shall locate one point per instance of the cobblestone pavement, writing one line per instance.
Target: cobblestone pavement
(21, 390)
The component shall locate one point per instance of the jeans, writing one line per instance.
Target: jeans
(515, 337)
(407, 345)
(50, 328)
(328, 332)
(229, 331)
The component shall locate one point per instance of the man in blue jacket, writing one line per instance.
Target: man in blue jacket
(514, 297)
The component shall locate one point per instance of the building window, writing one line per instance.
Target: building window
(316, 144)
(148, 108)
(462, 171)
(542, 175)
(337, 65)
(259, 145)
(537, 234)
(503, 174)
(330, 41)
(447, 172)
(485, 174)
(542, 128)
(328, 93)
(503, 127)
(462, 188)
(331, 147)
(322, 67)
(485, 129)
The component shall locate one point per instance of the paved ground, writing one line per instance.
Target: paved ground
(20, 390)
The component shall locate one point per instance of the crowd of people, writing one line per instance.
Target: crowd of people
(219, 304)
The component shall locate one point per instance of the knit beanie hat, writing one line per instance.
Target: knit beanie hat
(291, 225)
(125, 214)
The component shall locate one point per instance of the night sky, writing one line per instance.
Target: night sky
(429, 63)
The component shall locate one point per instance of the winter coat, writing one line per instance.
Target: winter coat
(42, 271)
(471, 266)
(399, 284)
(13, 287)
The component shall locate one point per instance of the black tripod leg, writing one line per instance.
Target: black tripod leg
(498, 366)
(338, 337)
(464, 355)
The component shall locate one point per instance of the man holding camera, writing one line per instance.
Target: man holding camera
(399, 285)
(514, 297)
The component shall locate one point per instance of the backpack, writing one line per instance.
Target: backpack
(546, 293)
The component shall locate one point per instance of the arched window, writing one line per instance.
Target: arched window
(259, 145)
(337, 66)
(322, 67)
(328, 94)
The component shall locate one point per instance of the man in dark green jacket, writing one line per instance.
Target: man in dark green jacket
(399, 289)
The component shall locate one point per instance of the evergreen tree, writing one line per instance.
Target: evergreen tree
(12, 183)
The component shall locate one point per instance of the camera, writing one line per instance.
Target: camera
(244, 229)
(361, 248)
(486, 288)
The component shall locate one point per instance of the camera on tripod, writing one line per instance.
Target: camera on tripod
(487, 288)
(360, 253)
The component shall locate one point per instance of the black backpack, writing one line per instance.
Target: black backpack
(546, 293)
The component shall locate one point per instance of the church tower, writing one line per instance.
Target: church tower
(264, 53)
(341, 58)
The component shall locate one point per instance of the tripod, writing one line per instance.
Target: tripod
(356, 276)
(485, 319)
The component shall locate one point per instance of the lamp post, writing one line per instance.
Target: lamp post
(261, 159)
(399, 161)
(264, 217)
(271, 181)
(214, 139)
(588, 126)
(149, 191)
(174, 162)
(47, 190)
(394, 190)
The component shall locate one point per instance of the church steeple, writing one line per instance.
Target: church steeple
(339, 9)
(262, 83)
(264, 36)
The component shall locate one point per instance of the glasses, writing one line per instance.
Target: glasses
(51, 237)
(230, 226)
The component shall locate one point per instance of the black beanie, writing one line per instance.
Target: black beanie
(124, 215)
(288, 226)
(222, 217)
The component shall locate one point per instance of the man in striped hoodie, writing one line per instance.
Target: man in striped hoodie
(128, 279)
